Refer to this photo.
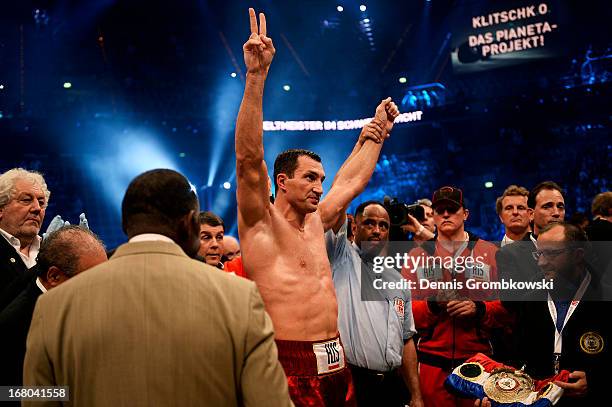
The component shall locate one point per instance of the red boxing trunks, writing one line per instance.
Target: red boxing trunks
(316, 372)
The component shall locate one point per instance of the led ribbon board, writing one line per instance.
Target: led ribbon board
(333, 125)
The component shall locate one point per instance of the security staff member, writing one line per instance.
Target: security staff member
(378, 334)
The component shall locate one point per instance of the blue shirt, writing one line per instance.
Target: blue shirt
(372, 332)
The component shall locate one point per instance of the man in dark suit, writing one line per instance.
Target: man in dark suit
(513, 212)
(562, 328)
(152, 326)
(23, 200)
(515, 261)
(63, 254)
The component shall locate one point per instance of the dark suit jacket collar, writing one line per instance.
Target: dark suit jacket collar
(7, 252)
(157, 246)
(6, 248)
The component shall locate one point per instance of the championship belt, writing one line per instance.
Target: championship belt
(506, 385)
(481, 376)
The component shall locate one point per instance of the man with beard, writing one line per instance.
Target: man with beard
(377, 335)
(565, 328)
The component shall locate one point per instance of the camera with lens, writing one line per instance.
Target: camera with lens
(399, 211)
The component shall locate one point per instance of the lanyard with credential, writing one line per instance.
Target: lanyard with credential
(570, 311)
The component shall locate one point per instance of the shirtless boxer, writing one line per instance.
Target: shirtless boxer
(283, 246)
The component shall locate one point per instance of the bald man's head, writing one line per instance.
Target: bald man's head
(231, 247)
(67, 252)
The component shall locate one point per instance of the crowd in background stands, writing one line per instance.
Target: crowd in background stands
(408, 178)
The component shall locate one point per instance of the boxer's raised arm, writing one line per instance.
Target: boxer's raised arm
(356, 172)
(372, 131)
(251, 171)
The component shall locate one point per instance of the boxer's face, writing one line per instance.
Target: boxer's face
(305, 188)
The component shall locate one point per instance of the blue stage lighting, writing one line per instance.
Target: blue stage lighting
(227, 185)
(67, 85)
(233, 74)
(286, 88)
(366, 20)
(124, 156)
(224, 111)
(340, 9)
(363, 7)
(1, 87)
(488, 184)
(403, 79)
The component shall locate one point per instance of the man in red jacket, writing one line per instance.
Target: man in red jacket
(453, 323)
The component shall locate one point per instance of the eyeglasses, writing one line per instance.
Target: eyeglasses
(450, 209)
(549, 254)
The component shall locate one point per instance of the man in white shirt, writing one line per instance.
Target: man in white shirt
(23, 199)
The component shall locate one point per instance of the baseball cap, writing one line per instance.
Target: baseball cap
(449, 195)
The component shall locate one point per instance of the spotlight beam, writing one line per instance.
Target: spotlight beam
(295, 55)
(232, 56)
(443, 46)
(399, 43)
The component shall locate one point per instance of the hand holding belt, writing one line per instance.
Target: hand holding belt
(481, 376)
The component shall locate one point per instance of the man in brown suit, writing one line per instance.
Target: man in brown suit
(152, 327)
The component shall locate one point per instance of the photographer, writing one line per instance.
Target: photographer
(416, 219)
